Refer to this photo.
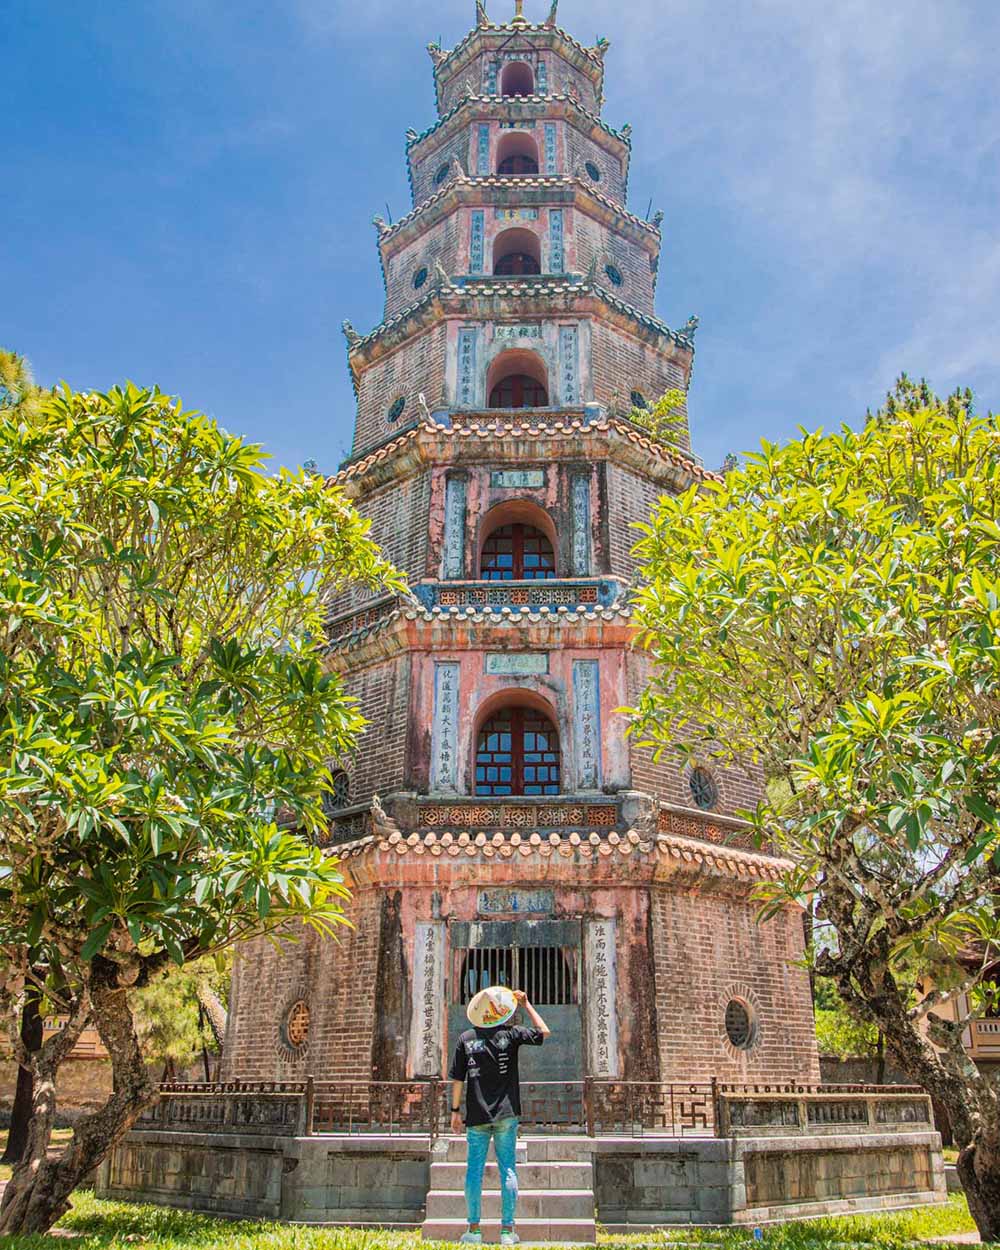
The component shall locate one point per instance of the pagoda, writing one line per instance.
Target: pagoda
(497, 824)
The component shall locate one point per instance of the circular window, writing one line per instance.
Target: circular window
(296, 1026)
(396, 409)
(593, 171)
(419, 278)
(338, 794)
(442, 173)
(740, 1027)
(704, 789)
(638, 400)
(614, 275)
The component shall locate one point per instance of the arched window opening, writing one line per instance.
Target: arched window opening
(517, 155)
(517, 252)
(519, 391)
(517, 79)
(517, 752)
(515, 553)
(517, 379)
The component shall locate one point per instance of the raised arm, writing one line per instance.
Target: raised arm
(532, 1014)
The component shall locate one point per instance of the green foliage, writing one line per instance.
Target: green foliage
(838, 1033)
(162, 686)
(172, 1030)
(19, 395)
(666, 420)
(831, 612)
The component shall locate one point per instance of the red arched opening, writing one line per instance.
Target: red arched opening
(517, 747)
(517, 541)
(517, 251)
(517, 79)
(517, 379)
(517, 154)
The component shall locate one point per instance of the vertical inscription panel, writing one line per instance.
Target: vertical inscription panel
(587, 723)
(454, 527)
(477, 232)
(550, 149)
(426, 1035)
(483, 150)
(467, 366)
(602, 1020)
(569, 384)
(444, 730)
(557, 256)
(580, 503)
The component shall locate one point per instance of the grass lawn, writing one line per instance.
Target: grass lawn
(94, 1225)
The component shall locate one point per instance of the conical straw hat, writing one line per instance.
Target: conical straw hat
(491, 1007)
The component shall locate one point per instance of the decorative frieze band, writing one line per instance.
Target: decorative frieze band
(517, 816)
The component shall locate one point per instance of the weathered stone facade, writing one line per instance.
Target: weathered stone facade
(518, 833)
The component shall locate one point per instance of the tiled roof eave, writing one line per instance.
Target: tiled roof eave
(547, 285)
(503, 28)
(494, 181)
(541, 100)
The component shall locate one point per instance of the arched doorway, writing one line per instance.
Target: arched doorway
(517, 155)
(517, 79)
(517, 252)
(517, 752)
(517, 379)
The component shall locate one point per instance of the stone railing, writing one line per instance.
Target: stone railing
(686, 822)
(348, 824)
(595, 1107)
(984, 1036)
(794, 1110)
(548, 595)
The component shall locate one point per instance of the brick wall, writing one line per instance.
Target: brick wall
(667, 778)
(708, 948)
(417, 365)
(580, 149)
(399, 516)
(426, 168)
(621, 364)
(383, 691)
(337, 981)
(595, 241)
(440, 244)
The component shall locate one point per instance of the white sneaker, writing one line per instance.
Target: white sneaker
(509, 1239)
(471, 1239)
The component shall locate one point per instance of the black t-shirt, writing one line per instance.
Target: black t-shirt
(488, 1058)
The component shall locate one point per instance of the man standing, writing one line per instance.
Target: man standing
(486, 1056)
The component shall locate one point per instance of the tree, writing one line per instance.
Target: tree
(174, 1028)
(19, 398)
(666, 420)
(164, 692)
(830, 613)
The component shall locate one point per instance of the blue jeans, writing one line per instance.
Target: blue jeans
(504, 1135)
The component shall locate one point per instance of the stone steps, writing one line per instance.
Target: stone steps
(451, 1176)
(555, 1200)
(572, 1232)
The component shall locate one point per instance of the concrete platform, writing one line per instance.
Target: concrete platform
(638, 1183)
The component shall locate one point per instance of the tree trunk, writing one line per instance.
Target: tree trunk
(979, 1172)
(39, 1189)
(20, 1116)
(214, 1011)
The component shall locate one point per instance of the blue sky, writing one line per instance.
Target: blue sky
(189, 187)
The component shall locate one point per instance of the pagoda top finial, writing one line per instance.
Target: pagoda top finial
(519, 18)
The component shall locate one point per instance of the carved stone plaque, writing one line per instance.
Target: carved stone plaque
(444, 729)
(602, 1019)
(516, 664)
(518, 479)
(587, 723)
(502, 901)
(428, 997)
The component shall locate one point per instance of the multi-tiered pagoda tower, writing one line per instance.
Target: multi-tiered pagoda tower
(497, 823)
